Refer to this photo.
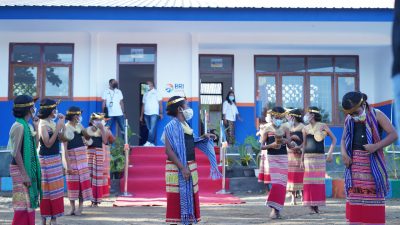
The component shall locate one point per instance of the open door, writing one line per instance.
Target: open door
(136, 67)
(216, 80)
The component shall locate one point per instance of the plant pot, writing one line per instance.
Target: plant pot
(394, 188)
(115, 186)
(338, 188)
(248, 172)
(116, 175)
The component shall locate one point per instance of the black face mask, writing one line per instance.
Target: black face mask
(114, 85)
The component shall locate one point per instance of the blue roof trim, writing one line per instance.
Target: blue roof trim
(196, 14)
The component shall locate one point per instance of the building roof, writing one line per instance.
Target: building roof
(257, 4)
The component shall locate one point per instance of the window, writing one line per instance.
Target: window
(211, 93)
(41, 70)
(302, 81)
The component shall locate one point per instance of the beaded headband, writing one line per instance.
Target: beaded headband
(24, 105)
(350, 111)
(272, 113)
(50, 106)
(74, 113)
(313, 111)
(175, 101)
(97, 116)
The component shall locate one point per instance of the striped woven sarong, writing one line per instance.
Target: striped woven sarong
(107, 180)
(23, 213)
(278, 170)
(263, 176)
(52, 203)
(295, 172)
(78, 185)
(173, 197)
(362, 204)
(96, 168)
(314, 179)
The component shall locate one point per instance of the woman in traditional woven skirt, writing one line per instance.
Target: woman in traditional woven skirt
(295, 171)
(52, 203)
(263, 176)
(366, 179)
(96, 156)
(276, 136)
(183, 204)
(313, 159)
(107, 161)
(78, 175)
(25, 166)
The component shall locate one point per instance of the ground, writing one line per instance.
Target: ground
(253, 212)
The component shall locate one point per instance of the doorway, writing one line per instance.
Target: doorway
(136, 66)
(216, 80)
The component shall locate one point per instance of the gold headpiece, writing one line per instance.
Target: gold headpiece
(277, 114)
(313, 111)
(175, 101)
(50, 106)
(294, 115)
(24, 105)
(74, 113)
(350, 111)
(97, 116)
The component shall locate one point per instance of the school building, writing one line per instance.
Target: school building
(290, 53)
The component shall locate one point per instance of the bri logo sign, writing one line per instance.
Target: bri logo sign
(169, 88)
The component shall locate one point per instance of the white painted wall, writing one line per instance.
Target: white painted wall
(180, 43)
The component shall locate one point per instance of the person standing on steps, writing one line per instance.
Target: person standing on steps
(151, 111)
(230, 113)
(313, 159)
(113, 105)
(181, 177)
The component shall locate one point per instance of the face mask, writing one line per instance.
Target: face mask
(277, 122)
(146, 88)
(306, 119)
(188, 114)
(232, 98)
(79, 119)
(268, 118)
(33, 112)
(114, 85)
(361, 117)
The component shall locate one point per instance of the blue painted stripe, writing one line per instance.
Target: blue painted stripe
(195, 14)
(6, 184)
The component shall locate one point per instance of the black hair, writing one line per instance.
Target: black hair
(70, 117)
(21, 112)
(278, 109)
(227, 97)
(172, 109)
(111, 80)
(317, 116)
(299, 117)
(352, 98)
(46, 112)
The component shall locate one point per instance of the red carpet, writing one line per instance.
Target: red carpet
(146, 180)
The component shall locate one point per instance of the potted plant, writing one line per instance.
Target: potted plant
(256, 148)
(117, 163)
(245, 159)
(393, 163)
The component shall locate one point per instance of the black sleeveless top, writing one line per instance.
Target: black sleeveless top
(190, 148)
(299, 134)
(14, 162)
(76, 142)
(97, 142)
(281, 151)
(53, 150)
(313, 146)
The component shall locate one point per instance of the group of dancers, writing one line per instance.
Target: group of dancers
(293, 158)
(37, 169)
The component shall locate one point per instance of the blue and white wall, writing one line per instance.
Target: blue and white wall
(180, 42)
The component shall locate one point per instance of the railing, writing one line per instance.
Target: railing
(223, 148)
(127, 150)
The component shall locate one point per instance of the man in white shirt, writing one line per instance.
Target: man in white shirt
(113, 101)
(151, 111)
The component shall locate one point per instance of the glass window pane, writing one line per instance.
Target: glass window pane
(137, 54)
(292, 91)
(57, 81)
(209, 64)
(345, 84)
(211, 99)
(266, 92)
(25, 80)
(211, 88)
(320, 64)
(266, 64)
(292, 64)
(345, 64)
(58, 53)
(26, 53)
(321, 96)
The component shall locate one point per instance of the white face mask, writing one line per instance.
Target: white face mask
(306, 119)
(268, 118)
(188, 114)
(361, 117)
(79, 119)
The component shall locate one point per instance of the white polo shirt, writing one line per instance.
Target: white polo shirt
(151, 101)
(114, 96)
(230, 111)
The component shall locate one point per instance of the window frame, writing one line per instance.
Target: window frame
(306, 77)
(41, 74)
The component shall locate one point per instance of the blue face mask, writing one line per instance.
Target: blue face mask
(232, 98)
(277, 122)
